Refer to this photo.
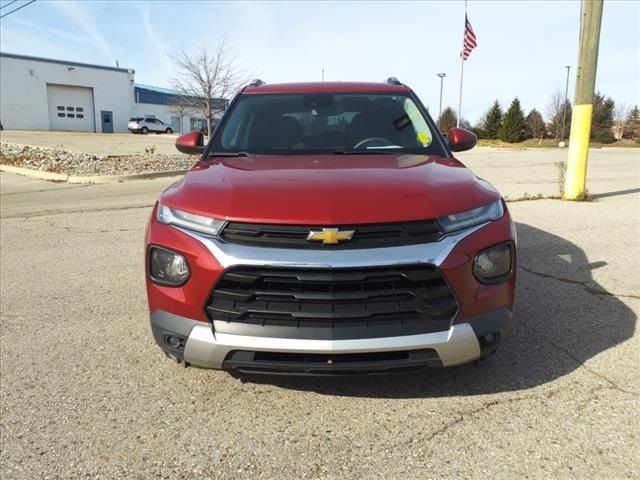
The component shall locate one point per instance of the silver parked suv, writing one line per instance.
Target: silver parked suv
(147, 124)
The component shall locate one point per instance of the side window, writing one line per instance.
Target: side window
(231, 133)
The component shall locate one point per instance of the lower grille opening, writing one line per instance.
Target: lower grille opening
(331, 364)
(326, 359)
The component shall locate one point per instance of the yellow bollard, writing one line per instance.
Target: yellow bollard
(576, 175)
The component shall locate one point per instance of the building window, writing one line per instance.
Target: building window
(61, 115)
(70, 115)
(60, 107)
(79, 115)
(198, 124)
(70, 109)
(79, 109)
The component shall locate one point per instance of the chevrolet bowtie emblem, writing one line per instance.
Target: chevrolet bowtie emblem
(330, 236)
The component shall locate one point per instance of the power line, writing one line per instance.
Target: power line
(7, 4)
(16, 9)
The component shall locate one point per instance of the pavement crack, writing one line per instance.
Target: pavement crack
(485, 406)
(584, 285)
(612, 384)
(48, 213)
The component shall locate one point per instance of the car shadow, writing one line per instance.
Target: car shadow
(562, 318)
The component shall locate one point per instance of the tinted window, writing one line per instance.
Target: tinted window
(315, 123)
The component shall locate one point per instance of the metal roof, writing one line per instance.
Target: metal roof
(65, 62)
(152, 88)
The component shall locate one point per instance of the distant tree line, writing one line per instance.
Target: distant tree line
(608, 122)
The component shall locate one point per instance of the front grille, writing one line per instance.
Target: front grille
(365, 236)
(398, 300)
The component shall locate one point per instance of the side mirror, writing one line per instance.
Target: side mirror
(191, 143)
(461, 139)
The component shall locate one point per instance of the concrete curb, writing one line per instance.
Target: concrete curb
(60, 177)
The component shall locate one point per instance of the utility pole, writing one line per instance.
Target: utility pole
(564, 106)
(323, 74)
(576, 175)
(441, 75)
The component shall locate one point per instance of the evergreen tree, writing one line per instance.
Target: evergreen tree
(513, 124)
(632, 124)
(447, 120)
(602, 119)
(535, 125)
(492, 121)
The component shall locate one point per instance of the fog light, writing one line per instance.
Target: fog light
(167, 267)
(494, 264)
(174, 342)
(489, 339)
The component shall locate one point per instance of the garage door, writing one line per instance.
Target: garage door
(70, 108)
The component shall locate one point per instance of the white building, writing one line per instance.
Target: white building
(47, 94)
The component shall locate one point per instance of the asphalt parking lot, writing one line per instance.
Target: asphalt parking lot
(85, 393)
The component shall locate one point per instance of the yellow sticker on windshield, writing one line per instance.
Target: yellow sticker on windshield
(424, 138)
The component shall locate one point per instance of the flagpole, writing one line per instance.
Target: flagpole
(460, 99)
(462, 66)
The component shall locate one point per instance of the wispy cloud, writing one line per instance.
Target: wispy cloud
(77, 14)
(61, 34)
(160, 47)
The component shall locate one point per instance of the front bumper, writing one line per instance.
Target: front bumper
(201, 347)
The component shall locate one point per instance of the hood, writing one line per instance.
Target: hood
(329, 189)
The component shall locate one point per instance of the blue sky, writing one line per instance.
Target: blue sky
(522, 45)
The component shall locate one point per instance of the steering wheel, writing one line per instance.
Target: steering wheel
(372, 139)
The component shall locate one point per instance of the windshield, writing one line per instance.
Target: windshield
(326, 123)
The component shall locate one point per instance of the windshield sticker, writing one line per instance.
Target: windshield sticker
(424, 138)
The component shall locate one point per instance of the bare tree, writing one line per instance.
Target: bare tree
(206, 77)
(181, 106)
(620, 119)
(557, 109)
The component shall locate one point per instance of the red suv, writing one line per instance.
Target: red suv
(328, 229)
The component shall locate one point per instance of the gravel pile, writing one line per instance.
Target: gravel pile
(84, 164)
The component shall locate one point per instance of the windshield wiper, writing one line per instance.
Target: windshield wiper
(229, 154)
(362, 152)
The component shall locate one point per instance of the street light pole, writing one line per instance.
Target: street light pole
(441, 75)
(564, 107)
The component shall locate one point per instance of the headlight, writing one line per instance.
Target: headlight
(199, 223)
(167, 267)
(494, 264)
(460, 221)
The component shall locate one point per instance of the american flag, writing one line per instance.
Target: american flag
(469, 42)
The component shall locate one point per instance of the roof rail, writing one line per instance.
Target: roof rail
(256, 82)
(393, 81)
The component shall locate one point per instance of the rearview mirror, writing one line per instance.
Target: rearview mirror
(461, 139)
(191, 143)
